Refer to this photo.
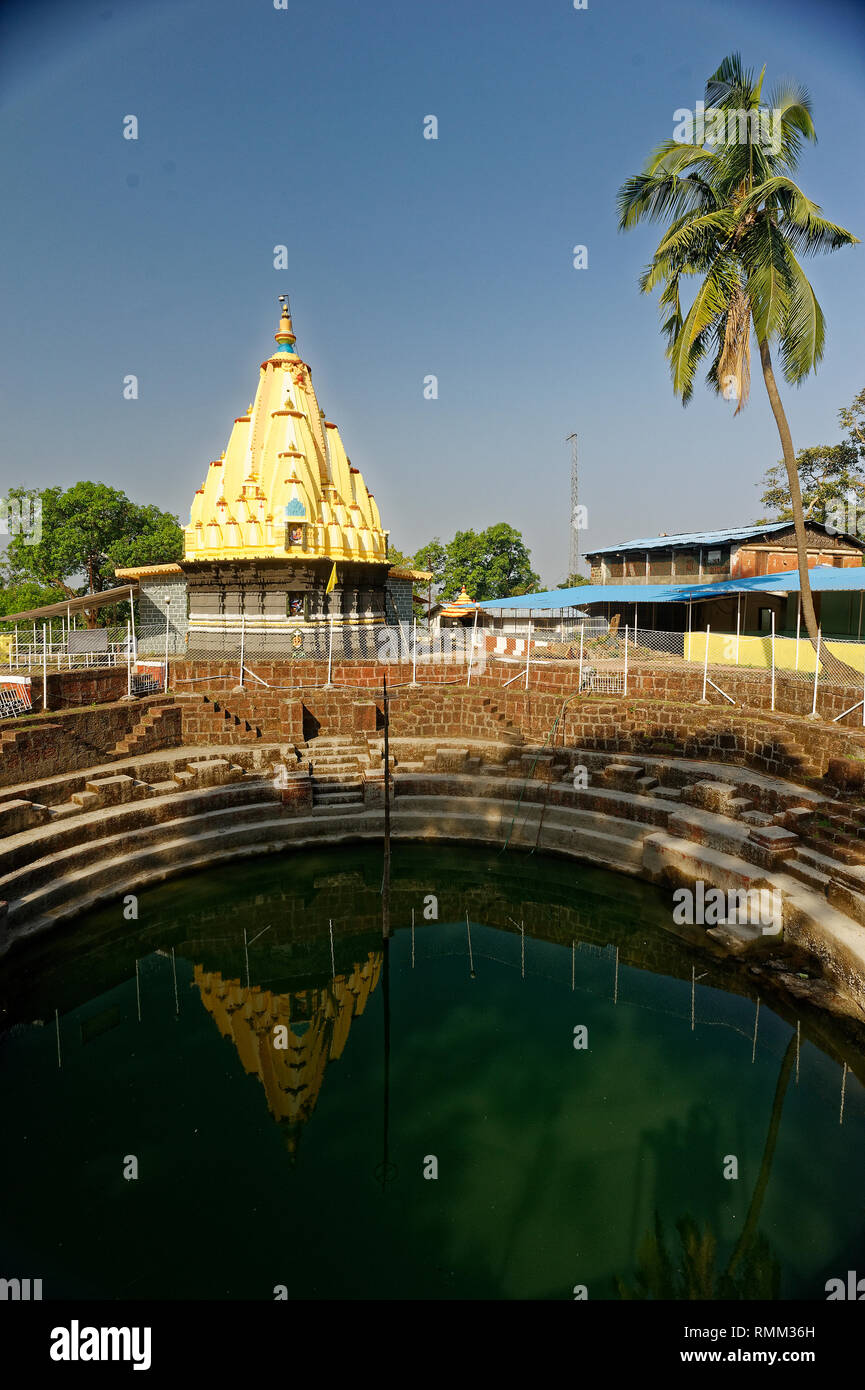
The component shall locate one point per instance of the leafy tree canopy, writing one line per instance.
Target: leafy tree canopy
(89, 530)
(829, 474)
(494, 563)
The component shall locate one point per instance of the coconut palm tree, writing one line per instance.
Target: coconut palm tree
(737, 222)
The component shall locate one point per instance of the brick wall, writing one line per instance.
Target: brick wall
(66, 741)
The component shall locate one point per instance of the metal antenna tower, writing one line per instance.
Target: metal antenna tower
(574, 548)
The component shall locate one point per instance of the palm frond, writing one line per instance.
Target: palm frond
(764, 260)
(803, 332)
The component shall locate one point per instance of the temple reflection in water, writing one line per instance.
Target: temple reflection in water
(317, 1020)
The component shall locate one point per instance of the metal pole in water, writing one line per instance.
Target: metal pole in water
(616, 980)
(471, 957)
(332, 961)
(57, 1026)
(138, 989)
(693, 993)
(798, 1028)
(756, 1024)
(246, 953)
(523, 949)
(412, 938)
(843, 1090)
(174, 972)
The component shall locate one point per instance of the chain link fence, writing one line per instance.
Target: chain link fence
(767, 670)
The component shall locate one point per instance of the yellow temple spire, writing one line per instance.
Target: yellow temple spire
(284, 488)
(285, 333)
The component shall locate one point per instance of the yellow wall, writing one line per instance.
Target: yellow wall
(757, 651)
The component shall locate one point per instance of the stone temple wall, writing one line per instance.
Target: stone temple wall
(151, 608)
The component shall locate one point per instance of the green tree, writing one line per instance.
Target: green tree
(432, 557)
(829, 474)
(573, 581)
(494, 563)
(737, 222)
(88, 530)
(18, 592)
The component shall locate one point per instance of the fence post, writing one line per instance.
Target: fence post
(816, 673)
(528, 653)
(330, 650)
(626, 658)
(773, 658)
(165, 668)
(44, 671)
(798, 625)
(580, 678)
(414, 653)
(472, 648)
(706, 663)
(738, 623)
(242, 646)
(132, 623)
(128, 661)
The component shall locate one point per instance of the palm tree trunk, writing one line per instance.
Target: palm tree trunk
(753, 1217)
(832, 666)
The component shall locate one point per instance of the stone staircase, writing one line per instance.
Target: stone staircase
(158, 728)
(335, 760)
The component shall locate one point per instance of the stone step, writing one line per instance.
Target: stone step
(666, 793)
(352, 780)
(333, 797)
(807, 873)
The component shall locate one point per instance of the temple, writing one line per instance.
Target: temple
(283, 533)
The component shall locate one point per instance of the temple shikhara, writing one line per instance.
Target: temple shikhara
(283, 533)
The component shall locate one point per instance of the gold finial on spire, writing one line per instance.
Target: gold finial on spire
(285, 335)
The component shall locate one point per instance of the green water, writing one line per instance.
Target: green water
(553, 1163)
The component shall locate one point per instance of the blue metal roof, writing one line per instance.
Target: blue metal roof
(587, 593)
(824, 578)
(688, 538)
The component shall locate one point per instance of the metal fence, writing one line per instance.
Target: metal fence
(737, 669)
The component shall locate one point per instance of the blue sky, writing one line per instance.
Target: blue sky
(407, 256)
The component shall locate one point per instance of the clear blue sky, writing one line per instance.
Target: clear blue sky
(407, 256)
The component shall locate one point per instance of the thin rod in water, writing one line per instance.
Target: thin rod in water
(471, 957)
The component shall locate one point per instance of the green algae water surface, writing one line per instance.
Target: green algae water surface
(537, 1091)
